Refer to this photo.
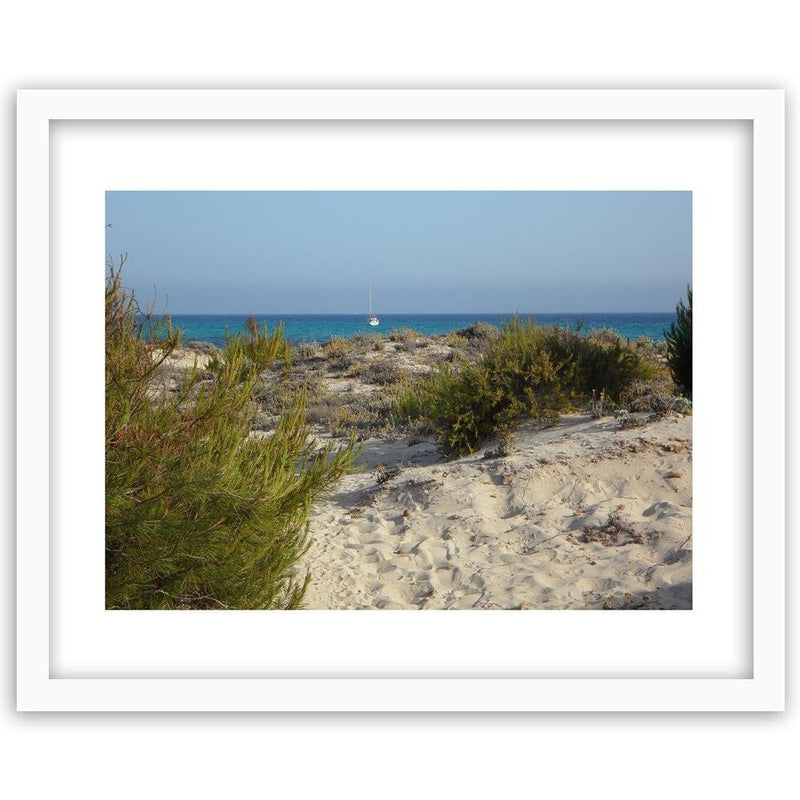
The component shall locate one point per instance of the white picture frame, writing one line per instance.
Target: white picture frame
(66, 651)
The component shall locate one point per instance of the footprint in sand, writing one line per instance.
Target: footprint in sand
(388, 604)
(661, 510)
(446, 575)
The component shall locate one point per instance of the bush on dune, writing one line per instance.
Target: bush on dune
(198, 514)
(598, 361)
(526, 371)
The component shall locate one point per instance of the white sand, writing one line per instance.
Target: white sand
(527, 531)
(186, 358)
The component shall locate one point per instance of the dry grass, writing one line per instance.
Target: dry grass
(614, 532)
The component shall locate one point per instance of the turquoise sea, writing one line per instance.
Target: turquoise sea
(320, 328)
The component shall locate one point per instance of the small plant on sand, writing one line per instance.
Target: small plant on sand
(679, 346)
(409, 403)
(614, 532)
(656, 397)
(383, 473)
(503, 448)
(404, 335)
(382, 373)
(200, 515)
(343, 364)
(365, 341)
(479, 330)
(454, 339)
(337, 347)
(627, 420)
(661, 404)
(305, 350)
(345, 422)
(456, 356)
(598, 406)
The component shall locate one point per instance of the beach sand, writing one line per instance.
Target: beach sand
(581, 516)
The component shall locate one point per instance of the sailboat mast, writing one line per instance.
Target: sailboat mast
(372, 319)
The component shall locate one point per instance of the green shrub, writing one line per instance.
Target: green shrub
(478, 330)
(382, 373)
(404, 335)
(599, 362)
(525, 371)
(679, 346)
(515, 377)
(337, 347)
(342, 364)
(274, 394)
(454, 339)
(368, 341)
(199, 514)
(409, 402)
(660, 404)
(382, 473)
(306, 350)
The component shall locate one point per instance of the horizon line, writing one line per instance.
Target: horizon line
(396, 313)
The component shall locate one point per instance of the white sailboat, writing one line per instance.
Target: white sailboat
(372, 319)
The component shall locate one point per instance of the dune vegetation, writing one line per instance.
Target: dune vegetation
(526, 371)
(200, 514)
(679, 345)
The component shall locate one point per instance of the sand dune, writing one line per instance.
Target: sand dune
(581, 516)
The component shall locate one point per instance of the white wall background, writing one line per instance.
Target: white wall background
(349, 43)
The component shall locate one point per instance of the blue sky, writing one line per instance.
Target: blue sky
(429, 252)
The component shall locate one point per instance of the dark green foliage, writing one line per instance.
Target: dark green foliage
(485, 399)
(526, 370)
(478, 330)
(679, 346)
(599, 361)
(198, 514)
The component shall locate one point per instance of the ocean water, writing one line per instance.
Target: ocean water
(320, 328)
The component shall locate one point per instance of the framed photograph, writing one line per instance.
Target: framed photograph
(570, 494)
